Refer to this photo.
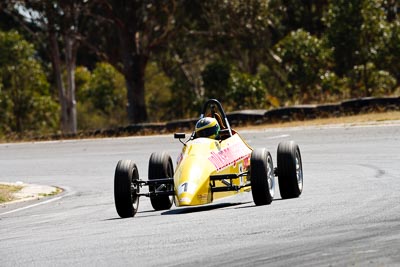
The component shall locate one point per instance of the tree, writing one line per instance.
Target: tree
(305, 59)
(210, 34)
(246, 91)
(101, 99)
(183, 58)
(389, 56)
(126, 33)
(25, 100)
(58, 22)
(359, 32)
(216, 77)
(344, 22)
(301, 14)
(241, 31)
(158, 93)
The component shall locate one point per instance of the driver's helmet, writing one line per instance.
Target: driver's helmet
(207, 127)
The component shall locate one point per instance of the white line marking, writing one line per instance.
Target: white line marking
(68, 193)
(278, 136)
(31, 206)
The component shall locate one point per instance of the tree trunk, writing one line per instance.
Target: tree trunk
(56, 63)
(66, 97)
(134, 77)
(70, 93)
(134, 64)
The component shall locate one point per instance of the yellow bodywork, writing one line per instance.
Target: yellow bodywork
(203, 157)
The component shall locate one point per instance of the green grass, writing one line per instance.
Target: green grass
(55, 192)
(6, 192)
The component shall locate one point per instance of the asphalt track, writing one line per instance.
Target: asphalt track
(348, 214)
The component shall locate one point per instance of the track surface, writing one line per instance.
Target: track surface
(348, 214)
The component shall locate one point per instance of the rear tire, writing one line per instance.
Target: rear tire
(160, 166)
(262, 177)
(290, 170)
(125, 190)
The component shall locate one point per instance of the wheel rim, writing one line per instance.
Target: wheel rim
(134, 194)
(299, 172)
(271, 177)
(135, 189)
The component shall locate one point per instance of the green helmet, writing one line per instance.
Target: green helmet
(207, 127)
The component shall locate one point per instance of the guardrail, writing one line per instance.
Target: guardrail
(254, 117)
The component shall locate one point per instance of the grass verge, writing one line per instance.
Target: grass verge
(376, 117)
(55, 192)
(7, 191)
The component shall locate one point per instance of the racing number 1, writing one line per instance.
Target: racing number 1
(184, 187)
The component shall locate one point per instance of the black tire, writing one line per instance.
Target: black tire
(125, 190)
(160, 166)
(262, 177)
(290, 170)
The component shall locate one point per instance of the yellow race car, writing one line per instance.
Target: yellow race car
(215, 162)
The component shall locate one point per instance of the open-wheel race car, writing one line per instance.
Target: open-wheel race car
(215, 162)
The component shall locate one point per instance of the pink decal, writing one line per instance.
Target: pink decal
(229, 156)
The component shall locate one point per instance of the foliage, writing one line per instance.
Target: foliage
(236, 89)
(158, 94)
(56, 27)
(333, 87)
(216, 80)
(174, 54)
(25, 100)
(389, 55)
(343, 22)
(246, 91)
(241, 30)
(374, 30)
(137, 30)
(362, 39)
(305, 58)
(367, 80)
(306, 15)
(106, 89)
(82, 81)
(184, 103)
(101, 97)
(274, 82)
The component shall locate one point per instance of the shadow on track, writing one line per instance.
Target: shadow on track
(185, 210)
(179, 210)
(139, 214)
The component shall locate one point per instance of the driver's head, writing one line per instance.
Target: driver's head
(207, 127)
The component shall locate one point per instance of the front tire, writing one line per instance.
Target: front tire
(160, 166)
(125, 189)
(262, 177)
(290, 170)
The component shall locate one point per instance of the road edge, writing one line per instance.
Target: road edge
(30, 192)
